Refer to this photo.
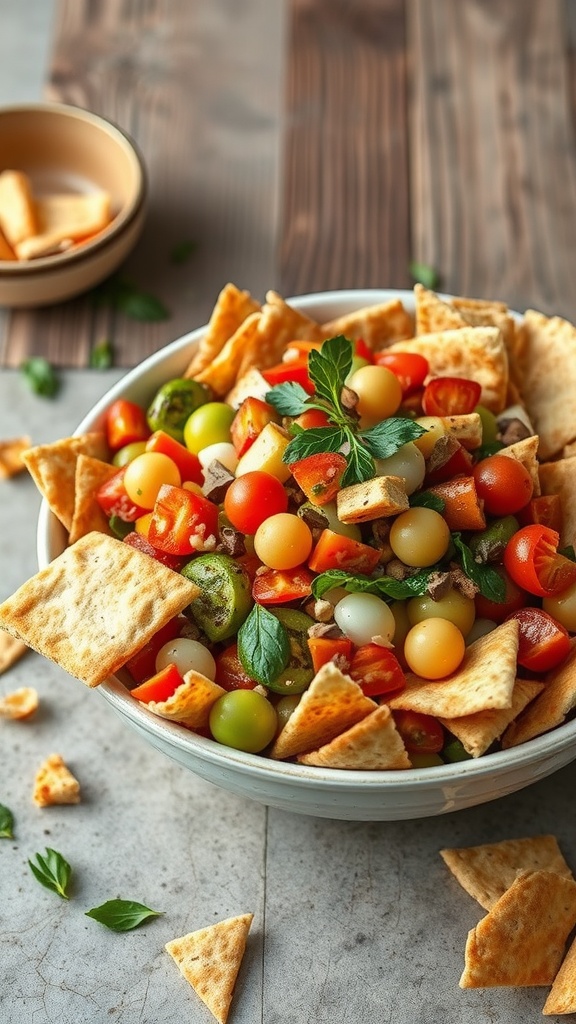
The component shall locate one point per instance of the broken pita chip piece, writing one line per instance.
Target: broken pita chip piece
(55, 783)
(479, 731)
(20, 703)
(378, 326)
(484, 680)
(232, 308)
(434, 314)
(11, 650)
(332, 703)
(87, 514)
(210, 960)
(487, 871)
(550, 708)
(548, 379)
(11, 461)
(521, 940)
(560, 478)
(526, 452)
(191, 702)
(562, 996)
(221, 374)
(372, 744)
(53, 469)
(278, 325)
(95, 605)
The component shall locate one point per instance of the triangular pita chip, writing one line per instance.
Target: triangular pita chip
(484, 680)
(487, 871)
(557, 700)
(373, 744)
(210, 960)
(478, 732)
(231, 309)
(522, 938)
(95, 605)
(11, 650)
(433, 314)
(477, 353)
(562, 995)
(11, 461)
(560, 478)
(221, 374)
(548, 379)
(20, 703)
(88, 515)
(487, 313)
(526, 452)
(332, 703)
(191, 701)
(55, 783)
(53, 469)
(278, 325)
(378, 326)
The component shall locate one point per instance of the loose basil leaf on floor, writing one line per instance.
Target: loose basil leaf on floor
(52, 871)
(423, 273)
(263, 645)
(128, 298)
(40, 376)
(182, 252)
(6, 823)
(122, 915)
(102, 355)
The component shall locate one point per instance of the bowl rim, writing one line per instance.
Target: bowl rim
(122, 221)
(533, 751)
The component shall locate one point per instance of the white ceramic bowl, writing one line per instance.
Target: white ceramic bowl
(327, 793)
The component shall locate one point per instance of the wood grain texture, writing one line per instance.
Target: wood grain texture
(198, 86)
(493, 166)
(345, 216)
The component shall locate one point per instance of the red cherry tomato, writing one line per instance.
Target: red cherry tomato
(114, 501)
(188, 463)
(532, 560)
(515, 597)
(422, 734)
(182, 520)
(410, 367)
(319, 476)
(279, 586)
(503, 484)
(125, 423)
(450, 396)
(544, 643)
(295, 370)
(252, 498)
(377, 670)
(230, 673)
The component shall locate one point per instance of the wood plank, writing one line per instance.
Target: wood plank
(345, 217)
(494, 159)
(203, 103)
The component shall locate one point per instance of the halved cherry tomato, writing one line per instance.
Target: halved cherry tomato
(377, 670)
(114, 501)
(188, 463)
(333, 551)
(278, 586)
(160, 687)
(503, 484)
(230, 673)
(324, 649)
(182, 521)
(141, 543)
(450, 396)
(252, 498)
(125, 423)
(142, 665)
(320, 476)
(312, 418)
(292, 370)
(411, 368)
(544, 643)
(250, 420)
(545, 509)
(515, 597)
(422, 734)
(532, 560)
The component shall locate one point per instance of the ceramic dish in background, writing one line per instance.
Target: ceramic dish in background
(328, 793)
(67, 149)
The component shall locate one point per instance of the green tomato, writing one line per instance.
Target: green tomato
(173, 404)
(243, 719)
(210, 424)
(125, 455)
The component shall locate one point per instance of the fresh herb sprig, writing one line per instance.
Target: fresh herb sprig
(328, 369)
(383, 586)
(6, 823)
(52, 871)
(122, 915)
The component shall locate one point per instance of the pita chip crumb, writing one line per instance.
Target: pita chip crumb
(373, 744)
(562, 995)
(20, 703)
(11, 650)
(11, 461)
(210, 960)
(55, 783)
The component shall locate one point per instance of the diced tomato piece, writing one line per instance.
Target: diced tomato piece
(182, 521)
(250, 420)
(230, 673)
(312, 418)
(545, 509)
(411, 368)
(333, 551)
(160, 687)
(188, 463)
(532, 560)
(320, 476)
(450, 396)
(251, 563)
(377, 670)
(142, 665)
(324, 649)
(279, 586)
(543, 643)
(362, 351)
(125, 423)
(462, 506)
(114, 501)
(141, 543)
(422, 734)
(292, 370)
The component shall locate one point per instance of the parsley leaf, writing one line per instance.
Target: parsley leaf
(360, 463)
(486, 578)
(40, 376)
(383, 586)
(329, 367)
(102, 355)
(6, 823)
(263, 645)
(289, 399)
(122, 915)
(52, 871)
(310, 442)
(390, 434)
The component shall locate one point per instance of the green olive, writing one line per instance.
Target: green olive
(174, 403)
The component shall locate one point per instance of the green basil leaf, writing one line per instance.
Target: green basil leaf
(387, 437)
(329, 368)
(289, 399)
(182, 252)
(6, 823)
(263, 645)
(122, 915)
(313, 442)
(425, 499)
(141, 306)
(52, 871)
(40, 376)
(489, 582)
(383, 586)
(424, 274)
(102, 355)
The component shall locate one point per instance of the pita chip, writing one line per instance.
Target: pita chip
(53, 469)
(548, 379)
(332, 703)
(11, 650)
(95, 605)
(278, 325)
(232, 308)
(191, 702)
(485, 679)
(487, 871)
(11, 461)
(378, 326)
(551, 707)
(526, 452)
(562, 995)
(55, 784)
(6, 250)
(373, 744)
(210, 960)
(479, 731)
(20, 703)
(560, 478)
(221, 374)
(88, 515)
(433, 314)
(17, 209)
(521, 940)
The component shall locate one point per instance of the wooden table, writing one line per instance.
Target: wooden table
(304, 145)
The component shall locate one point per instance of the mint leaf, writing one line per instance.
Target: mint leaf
(424, 274)
(6, 823)
(383, 586)
(122, 915)
(489, 582)
(102, 356)
(289, 399)
(329, 368)
(387, 437)
(425, 499)
(263, 645)
(312, 442)
(40, 376)
(52, 871)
